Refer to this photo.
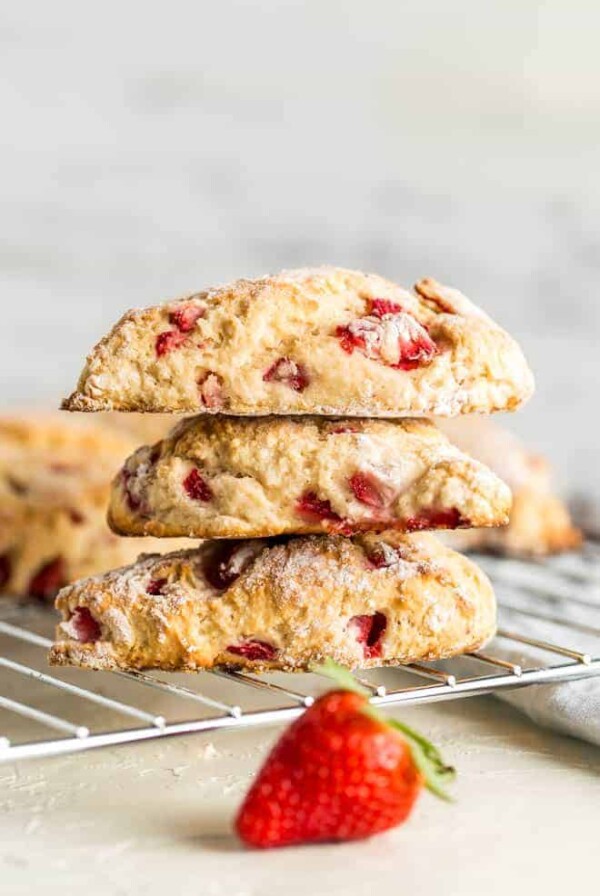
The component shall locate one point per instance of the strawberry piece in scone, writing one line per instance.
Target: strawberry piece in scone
(390, 335)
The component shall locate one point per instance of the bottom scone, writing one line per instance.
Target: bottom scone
(282, 604)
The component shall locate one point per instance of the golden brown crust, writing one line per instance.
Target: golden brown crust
(308, 342)
(366, 601)
(55, 473)
(275, 475)
(540, 523)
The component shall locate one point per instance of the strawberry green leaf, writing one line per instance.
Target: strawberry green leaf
(342, 676)
(427, 758)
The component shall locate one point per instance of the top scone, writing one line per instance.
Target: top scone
(327, 341)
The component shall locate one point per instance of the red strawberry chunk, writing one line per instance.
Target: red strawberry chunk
(211, 391)
(253, 649)
(335, 774)
(348, 340)
(156, 586)
(185, 317)
(369, 631)
(49, 579)
(169, 340)
(382, 556)
(225, 562)
(378, 560)
(5, 570)
(436, 519)
(314, 509)
(289, 373)
(196, 487)
(311, 506)
(84, 625)
(379, 307)
(368, 490)
(415, 351)
(395, 339)
(343, 428)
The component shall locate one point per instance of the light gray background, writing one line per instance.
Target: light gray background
(150, 149)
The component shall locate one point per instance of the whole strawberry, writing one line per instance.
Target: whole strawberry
(340, 772)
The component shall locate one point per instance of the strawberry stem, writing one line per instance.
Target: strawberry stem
(340, 675)
(436, 774)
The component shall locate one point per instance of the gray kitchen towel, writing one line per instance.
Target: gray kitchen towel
(572, 707)
(564, 588)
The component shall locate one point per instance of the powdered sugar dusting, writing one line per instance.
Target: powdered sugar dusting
(297, 594)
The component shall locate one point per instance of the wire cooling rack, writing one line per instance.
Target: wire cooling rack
(72, 710)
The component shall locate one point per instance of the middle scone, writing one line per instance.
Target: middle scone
(231, 477)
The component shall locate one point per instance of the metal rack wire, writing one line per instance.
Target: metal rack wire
(562, 593)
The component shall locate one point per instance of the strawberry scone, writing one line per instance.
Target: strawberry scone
(365, 601)
(227, 477)
(540, 523)
(315, 341)
(55, 474)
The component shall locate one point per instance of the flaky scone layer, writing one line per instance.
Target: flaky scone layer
(540, 522)
(216, 477)
(366, 601)
(55, 473)
(324, 341)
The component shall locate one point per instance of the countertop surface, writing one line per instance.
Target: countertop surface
(156, 818)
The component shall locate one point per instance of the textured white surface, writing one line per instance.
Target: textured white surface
(155, 819)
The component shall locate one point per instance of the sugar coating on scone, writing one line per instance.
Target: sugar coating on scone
(365, 601)
(55, 473)
(314, 341)
(540, 522)
(228, 477)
